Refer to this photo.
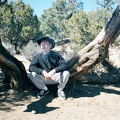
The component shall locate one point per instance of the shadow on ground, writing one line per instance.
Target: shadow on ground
(10, 99)
(77, 90)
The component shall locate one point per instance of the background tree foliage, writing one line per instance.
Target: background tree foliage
(65, 19)
(106, 3)
(18, 24)
(53, 19)
(77, 27)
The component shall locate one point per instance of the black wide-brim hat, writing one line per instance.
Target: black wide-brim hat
(51, 41)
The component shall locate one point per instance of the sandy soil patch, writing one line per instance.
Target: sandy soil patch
(84, 101)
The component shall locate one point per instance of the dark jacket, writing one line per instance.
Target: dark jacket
(52, 61)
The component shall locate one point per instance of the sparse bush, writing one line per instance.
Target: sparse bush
(67, 51)
(30, 50)
(9, 47)
(113, 59)
(68, 55)
(98, 69)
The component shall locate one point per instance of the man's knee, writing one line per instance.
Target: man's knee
(66, 73)
(32, 76)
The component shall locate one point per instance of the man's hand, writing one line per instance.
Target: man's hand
(44, 72)
(52, 72)
(49, 74)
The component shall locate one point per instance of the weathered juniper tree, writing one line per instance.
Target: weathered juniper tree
(97, 50)
(89, 56)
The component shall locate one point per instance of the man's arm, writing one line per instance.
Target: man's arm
(34, 65)
(62, 66)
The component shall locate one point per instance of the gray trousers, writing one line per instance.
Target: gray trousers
(60, 78)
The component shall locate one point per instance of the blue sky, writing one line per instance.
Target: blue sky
(40, 5)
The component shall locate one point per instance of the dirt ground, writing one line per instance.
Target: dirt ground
(84, 102)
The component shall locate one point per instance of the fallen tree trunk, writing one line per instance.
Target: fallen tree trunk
(112, 75)
(97, 50)
(13, 70)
